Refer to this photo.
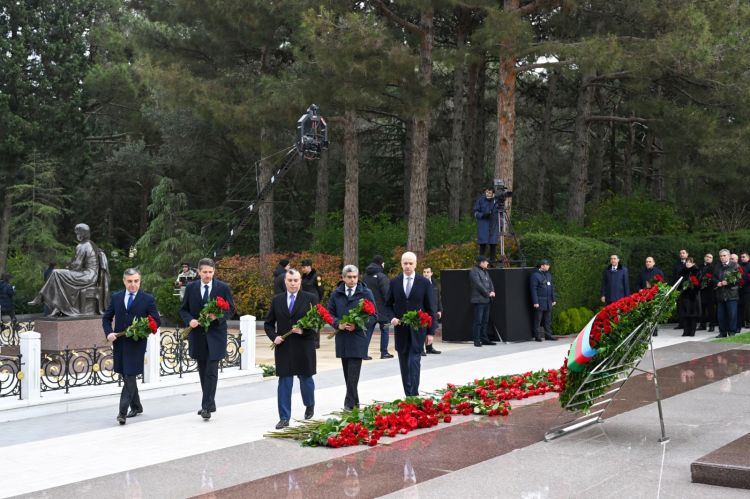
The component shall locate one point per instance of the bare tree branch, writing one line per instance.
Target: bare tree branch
(396, 19)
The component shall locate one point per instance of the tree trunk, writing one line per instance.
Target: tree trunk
(417, 224)
(545, 149)
(5, 229)
(408, 159)
(597, 167)
(351, 189)
(506, 120)
(627, 164)
(456, 166)
(473, 132)
(265, 209)
(321, 192)
(578, 175)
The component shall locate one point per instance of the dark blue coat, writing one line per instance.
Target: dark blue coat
(615, 284)
(211, 344)
(128, 354)
(349, 344)
(647, 275)
(296, 355)
(487, 214)
(542, 289)
(6, 296)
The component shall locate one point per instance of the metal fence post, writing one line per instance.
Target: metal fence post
(31, 355)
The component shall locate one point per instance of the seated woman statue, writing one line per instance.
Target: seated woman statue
(62, 291)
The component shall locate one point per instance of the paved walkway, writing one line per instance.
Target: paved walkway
(170, 452)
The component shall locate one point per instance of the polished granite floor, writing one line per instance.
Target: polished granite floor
(705, 387)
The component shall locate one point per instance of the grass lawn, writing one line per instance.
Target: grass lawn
(739, 338)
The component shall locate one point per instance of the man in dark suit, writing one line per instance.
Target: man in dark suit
(295, 355)
(207, 347)
(409, 291)
(124, 307)
(615, 284)
(543, 299)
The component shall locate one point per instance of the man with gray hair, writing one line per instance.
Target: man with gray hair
(727, 294)
(128, 354)
(351, 340)
(409, 291)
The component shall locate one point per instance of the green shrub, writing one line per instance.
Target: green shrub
(632, 216)
(577, 264)
(168, 303)
(561, 323)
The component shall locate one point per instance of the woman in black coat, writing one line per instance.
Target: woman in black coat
(351, 341)
(689, 302)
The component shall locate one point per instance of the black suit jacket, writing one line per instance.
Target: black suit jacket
(211, 344)
(128, 354)
(296, 355)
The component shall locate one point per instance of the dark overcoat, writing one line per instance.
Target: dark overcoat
(397, 304)
(6, 296)
(349, 344)
(648, 275)
(210, 344)
(615, 284)
(726, 293)
(378, 282)
(487, 214)
(296, 355)
(128, 354)
(689, 302)
(312, 283)
(542, 289)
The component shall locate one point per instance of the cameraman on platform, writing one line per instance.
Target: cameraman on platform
(488, 211)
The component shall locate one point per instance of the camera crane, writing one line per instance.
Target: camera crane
(312, 140)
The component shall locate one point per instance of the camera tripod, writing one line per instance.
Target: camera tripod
(506, 227)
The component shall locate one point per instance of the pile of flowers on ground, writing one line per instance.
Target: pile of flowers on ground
(366, 426)
(611, 325)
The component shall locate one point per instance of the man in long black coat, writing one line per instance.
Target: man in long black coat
(207, 347)
(708, 299)
(409, 291)
(295, 355)
(615, 283)
(128, 354)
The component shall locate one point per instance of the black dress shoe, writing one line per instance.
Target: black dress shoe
(431, 349)
(702, 327)
(133, 413)
(423, 354)
(477, 344)
(213, 409)
(711, 329)
(720, 335)
(489, 343)
(549, 337)
(367, 358)
(386, 356)
(309, 411)
(283, 423)
(206, 415)
(121, 419)
(538, 339)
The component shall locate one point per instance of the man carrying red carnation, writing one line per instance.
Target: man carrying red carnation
(351, 339)
(207, 345)
(128, 354)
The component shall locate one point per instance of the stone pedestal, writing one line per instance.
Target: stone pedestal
(71, 332)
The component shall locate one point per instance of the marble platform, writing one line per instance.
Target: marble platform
(70, 332)
(728, 466)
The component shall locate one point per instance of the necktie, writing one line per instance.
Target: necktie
(349, 292)
(131, 297)
(614, 269)
(291, 303)
(205, 293)
(408, 286)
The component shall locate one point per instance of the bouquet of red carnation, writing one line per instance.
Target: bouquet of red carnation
(357, 315)
(416, 319)
(315, 318)
(140, 328)
(690, 283)
(707, 280)
(216, 307)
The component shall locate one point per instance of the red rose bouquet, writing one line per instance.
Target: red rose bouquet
(140, 328)
(707, 280)
(416, 319)
(315, 318)
(357, 315)
(690, 283)
(216, 307)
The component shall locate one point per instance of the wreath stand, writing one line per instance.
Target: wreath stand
(618, 367)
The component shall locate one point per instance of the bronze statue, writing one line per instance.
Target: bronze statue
(83, 287)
